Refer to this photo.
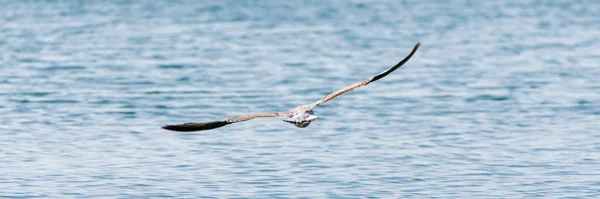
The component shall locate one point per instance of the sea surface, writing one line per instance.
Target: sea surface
(502, 100)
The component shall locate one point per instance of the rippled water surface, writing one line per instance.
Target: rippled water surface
(502, 100)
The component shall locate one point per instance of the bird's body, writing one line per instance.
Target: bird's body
(301, 116)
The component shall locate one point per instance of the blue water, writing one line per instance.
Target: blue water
(502, 100)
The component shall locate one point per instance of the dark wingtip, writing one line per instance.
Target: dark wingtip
(398, 65)
(188, 127)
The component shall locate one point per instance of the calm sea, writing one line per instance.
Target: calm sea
(502, 100)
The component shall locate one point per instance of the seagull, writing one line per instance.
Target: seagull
(300, 116)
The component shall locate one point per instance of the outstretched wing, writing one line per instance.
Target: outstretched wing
(367, 81)
(192, 126)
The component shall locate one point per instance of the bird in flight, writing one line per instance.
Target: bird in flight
(300, 116)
